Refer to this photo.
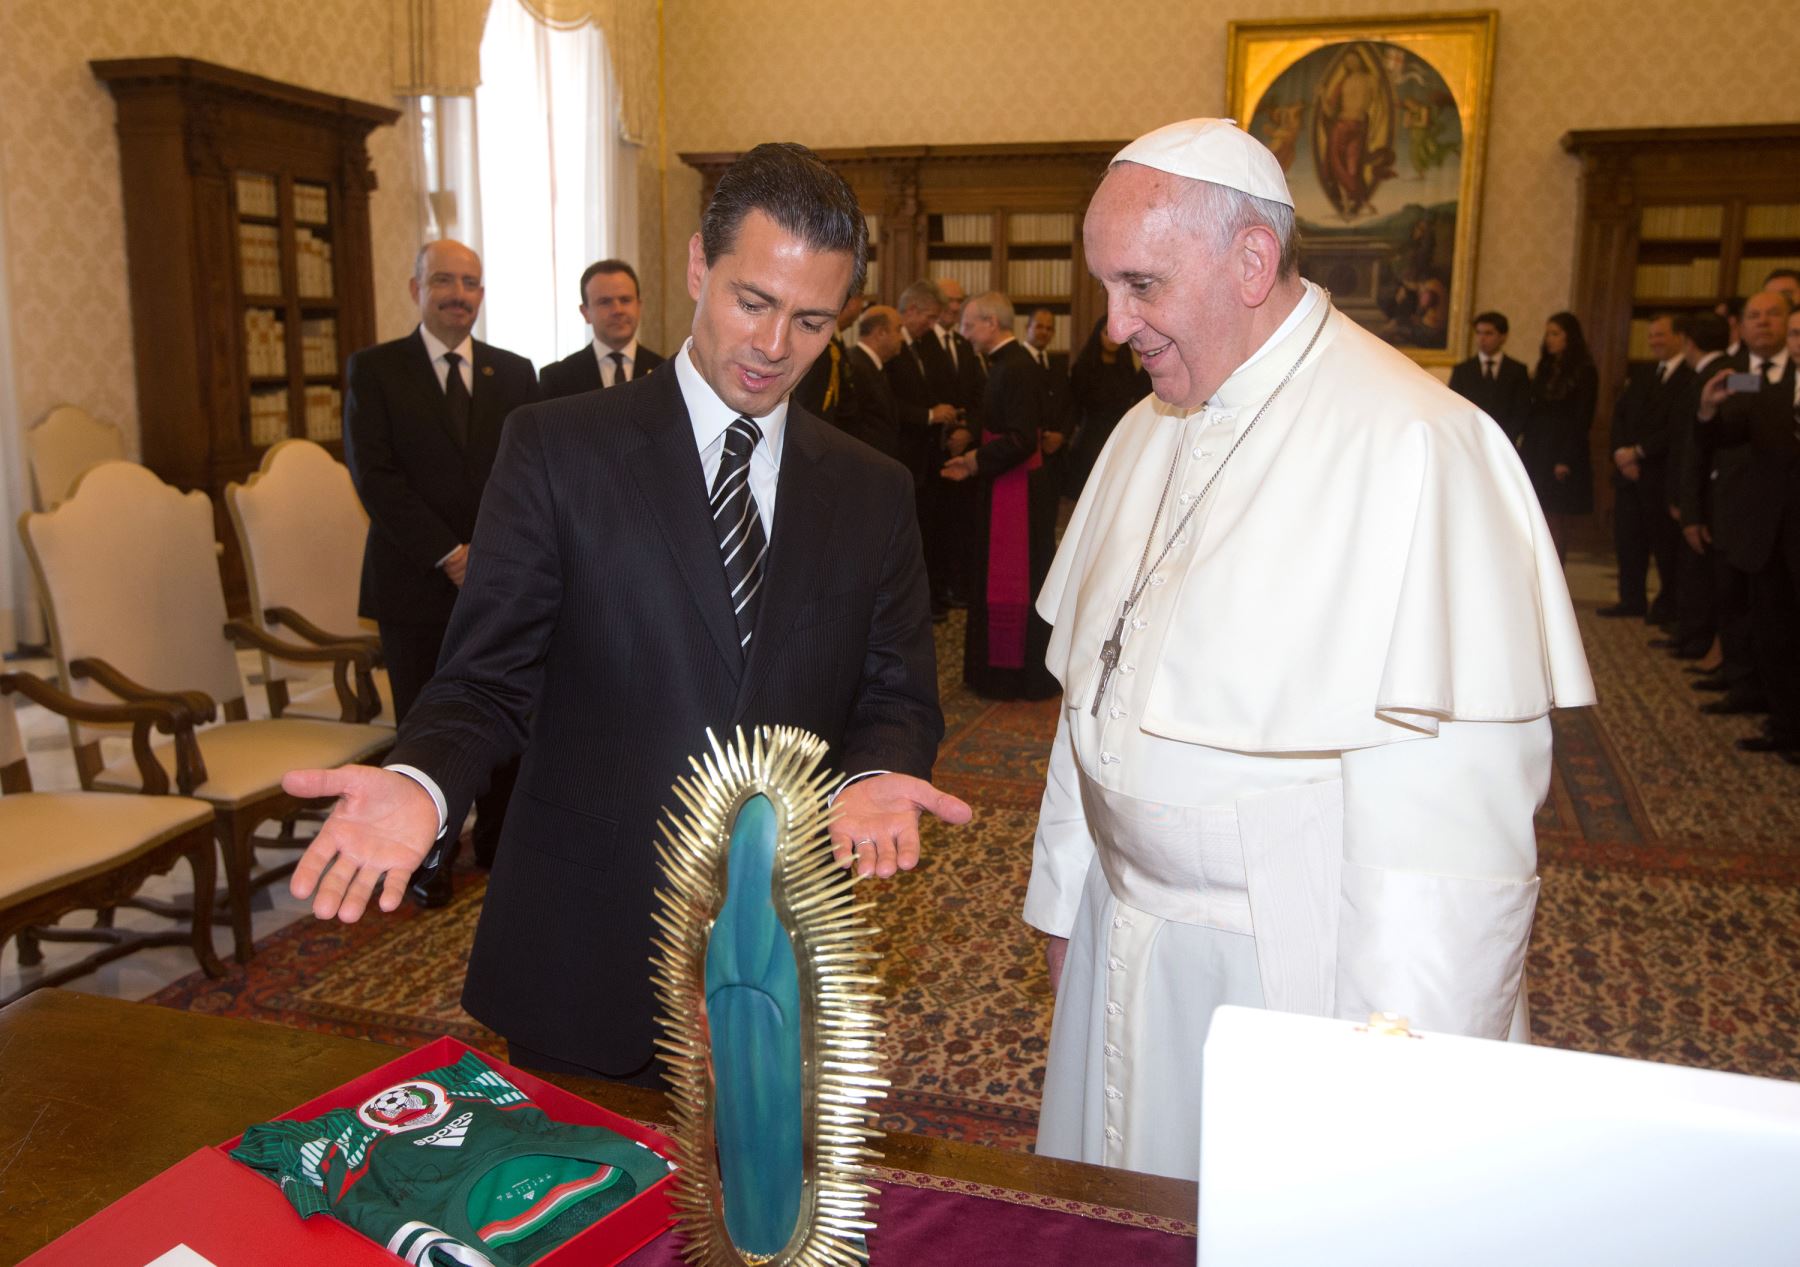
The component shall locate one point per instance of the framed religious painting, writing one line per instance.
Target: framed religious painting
(1381, 126)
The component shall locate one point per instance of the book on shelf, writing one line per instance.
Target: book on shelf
(1695, 279)
(324, 413)
(312, 204)
(1772, 220)
(318, 346)
(259, 257)
(256, 195)
(1696, 222)
(1041, 227)
(312, 265)
(1039, 277)
(966, 229)
(975, 276)
(268, 417)
(1753, 269)
(265, 343)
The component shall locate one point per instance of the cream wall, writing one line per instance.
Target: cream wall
(948, 71)
(64, 216)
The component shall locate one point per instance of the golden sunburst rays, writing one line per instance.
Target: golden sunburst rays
(842, 1035)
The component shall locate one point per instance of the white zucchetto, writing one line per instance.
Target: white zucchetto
(1214, 150)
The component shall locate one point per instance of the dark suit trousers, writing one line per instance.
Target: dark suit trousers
(1643, 530)
(1731, 590)
(1698, 621)
(1775, 630)
(411, 653)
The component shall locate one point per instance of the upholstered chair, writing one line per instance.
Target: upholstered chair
(300, 528)
(62, 852)
(64, 445)
(128, 575)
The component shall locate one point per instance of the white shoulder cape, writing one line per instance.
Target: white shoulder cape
(1375, 562)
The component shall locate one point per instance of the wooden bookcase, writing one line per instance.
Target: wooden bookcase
(995, 217)
(247, 237)
(1675, 220)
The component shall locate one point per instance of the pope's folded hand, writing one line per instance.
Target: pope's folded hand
(379, 831)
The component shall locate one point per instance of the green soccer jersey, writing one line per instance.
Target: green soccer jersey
(454, 1167)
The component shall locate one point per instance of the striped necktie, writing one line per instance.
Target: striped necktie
(736, 521)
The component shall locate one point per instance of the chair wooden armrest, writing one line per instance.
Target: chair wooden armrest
(167, 714)
(199, 704)
(358, 703)
(312, 633)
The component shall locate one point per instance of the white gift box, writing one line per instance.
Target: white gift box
(1328, 1142)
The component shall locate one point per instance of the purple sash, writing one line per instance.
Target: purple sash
(1009, 562)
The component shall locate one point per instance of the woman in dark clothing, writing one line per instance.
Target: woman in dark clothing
(1565, 389)
(1105, 382)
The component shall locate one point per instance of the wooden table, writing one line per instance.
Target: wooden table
(98, 1095)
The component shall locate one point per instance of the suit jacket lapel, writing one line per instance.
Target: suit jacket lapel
(802, 531)
(667, 470)
(485, 414)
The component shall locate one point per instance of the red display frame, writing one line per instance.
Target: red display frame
(233, 1215)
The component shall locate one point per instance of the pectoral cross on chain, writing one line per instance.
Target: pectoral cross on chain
(1109, 656)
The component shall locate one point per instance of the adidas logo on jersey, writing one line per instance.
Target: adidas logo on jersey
(449, 1135)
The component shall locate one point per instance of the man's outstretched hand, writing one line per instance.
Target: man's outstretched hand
(379, 831)
(877, 828)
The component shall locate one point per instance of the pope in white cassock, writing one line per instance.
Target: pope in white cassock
(1309, 625)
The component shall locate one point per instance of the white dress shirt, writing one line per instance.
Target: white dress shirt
(437, 349)
(603, 354)
(710, 417)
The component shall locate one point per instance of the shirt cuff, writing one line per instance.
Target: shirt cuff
(839, 790)
(437, 796)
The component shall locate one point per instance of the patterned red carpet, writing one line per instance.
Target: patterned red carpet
(1668, 927)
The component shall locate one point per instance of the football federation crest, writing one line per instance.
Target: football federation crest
(405, 1106)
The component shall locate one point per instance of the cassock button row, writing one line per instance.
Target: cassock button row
(1199, 453)
(1113, 1093)
(1113, 1009)
(1115, 712)
(1109, 758)
(1128, 668)
(1112, 1051)
(1139, 624)
(1119, 921)
(1158, 578)
(1116, 964)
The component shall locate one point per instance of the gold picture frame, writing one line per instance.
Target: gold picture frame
(1381, 124)
(768, 790)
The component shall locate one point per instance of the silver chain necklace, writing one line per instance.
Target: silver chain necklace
(1115, 644)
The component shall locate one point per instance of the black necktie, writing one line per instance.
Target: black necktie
(618, 360)
(1488, 371)
(1768, 371)
(950, 347)
(456, 393)
(739, 526)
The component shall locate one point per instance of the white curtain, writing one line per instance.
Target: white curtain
(20, 618)
(543, 185)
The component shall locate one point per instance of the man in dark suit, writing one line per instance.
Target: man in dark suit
(422, 422)
(1059, 416)
(1740, 523)
(1765, 518)
(1014, 539)
(925, 390)
(610, 303)
(688, 551)
(964, 359)
(1642, 528)
(1703, 340)
(1494, 382)
(876, 421)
